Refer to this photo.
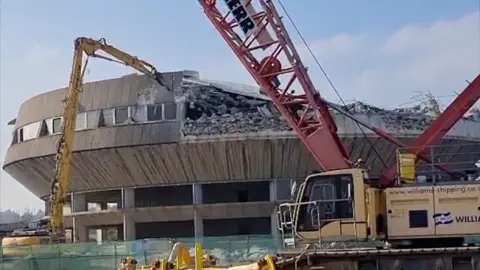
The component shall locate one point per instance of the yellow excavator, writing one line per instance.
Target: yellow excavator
(51, 229)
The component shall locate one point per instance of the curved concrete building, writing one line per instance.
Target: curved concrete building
(210, 158)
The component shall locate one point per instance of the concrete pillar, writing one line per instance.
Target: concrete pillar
(100, 236)
(273, 191)
(198, 223)
(80, 231)
(273, 216)
(197, 217)
(47, 207)
(197, 193)
(274, 222)
(128, 198)
(79, 202)
(129, 232)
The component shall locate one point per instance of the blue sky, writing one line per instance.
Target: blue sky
(377, 51)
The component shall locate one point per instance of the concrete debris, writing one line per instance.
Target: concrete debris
(412, 118)
(474, 114)
(211, 111)
(362, 108)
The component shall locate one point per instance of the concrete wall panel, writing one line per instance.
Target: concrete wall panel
(127, 90)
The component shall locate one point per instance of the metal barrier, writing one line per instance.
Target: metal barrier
(81, 256)
(439, 163)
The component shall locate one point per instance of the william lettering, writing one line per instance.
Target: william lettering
(467, 219)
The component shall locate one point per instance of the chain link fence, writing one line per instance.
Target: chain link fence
(228, 250)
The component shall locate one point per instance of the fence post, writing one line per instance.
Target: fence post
(115, 259)
(248, 246)
(145, 255)
(229, 254)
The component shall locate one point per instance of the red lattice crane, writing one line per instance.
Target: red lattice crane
(258, 37)
(276, 66)
(440, 126)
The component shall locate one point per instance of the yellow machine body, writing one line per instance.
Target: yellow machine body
(341, 205)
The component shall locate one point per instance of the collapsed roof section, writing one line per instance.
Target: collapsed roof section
(213, 111)
(215, 108)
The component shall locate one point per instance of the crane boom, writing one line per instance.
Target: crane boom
(276, 66)
(63, 157)
(440, 126)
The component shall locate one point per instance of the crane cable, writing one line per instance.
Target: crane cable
(330, 82)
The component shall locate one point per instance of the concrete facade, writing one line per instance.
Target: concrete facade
(132, 152)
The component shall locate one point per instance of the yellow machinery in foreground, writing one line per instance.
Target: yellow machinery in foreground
(181, 259)
(53, 231)
(348, 259)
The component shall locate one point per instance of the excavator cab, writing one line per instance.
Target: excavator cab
(332, 206)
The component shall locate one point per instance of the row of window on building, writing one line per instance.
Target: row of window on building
(99, 118)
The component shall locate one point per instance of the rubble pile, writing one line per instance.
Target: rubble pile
(363, 108)
(211, 111)
(413, 118)
(474, 114)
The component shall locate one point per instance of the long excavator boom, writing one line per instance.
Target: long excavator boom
(63, 158)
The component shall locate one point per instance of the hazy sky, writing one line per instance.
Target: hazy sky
(377, 51)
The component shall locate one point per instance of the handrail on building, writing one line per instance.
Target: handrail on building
(462, 162)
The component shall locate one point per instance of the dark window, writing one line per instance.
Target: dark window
(242, 196)
(154, 113)
(20, 135)
(56, 125)
(107, 118)
(170, 111)
(121, 115)
(367, 265)
(418, 218)
(15, 137)
(43, 129)
(284, 189)
(233, 226)
(461, 263)
(243, 229)
(333, 195)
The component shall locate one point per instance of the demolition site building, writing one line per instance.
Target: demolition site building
(209, 158)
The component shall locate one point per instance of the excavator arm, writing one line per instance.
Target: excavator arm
(60, 181)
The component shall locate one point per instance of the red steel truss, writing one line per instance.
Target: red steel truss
(274, 63)
(276, 67)
(440, 126)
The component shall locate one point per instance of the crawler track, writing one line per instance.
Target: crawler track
(315, 259)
